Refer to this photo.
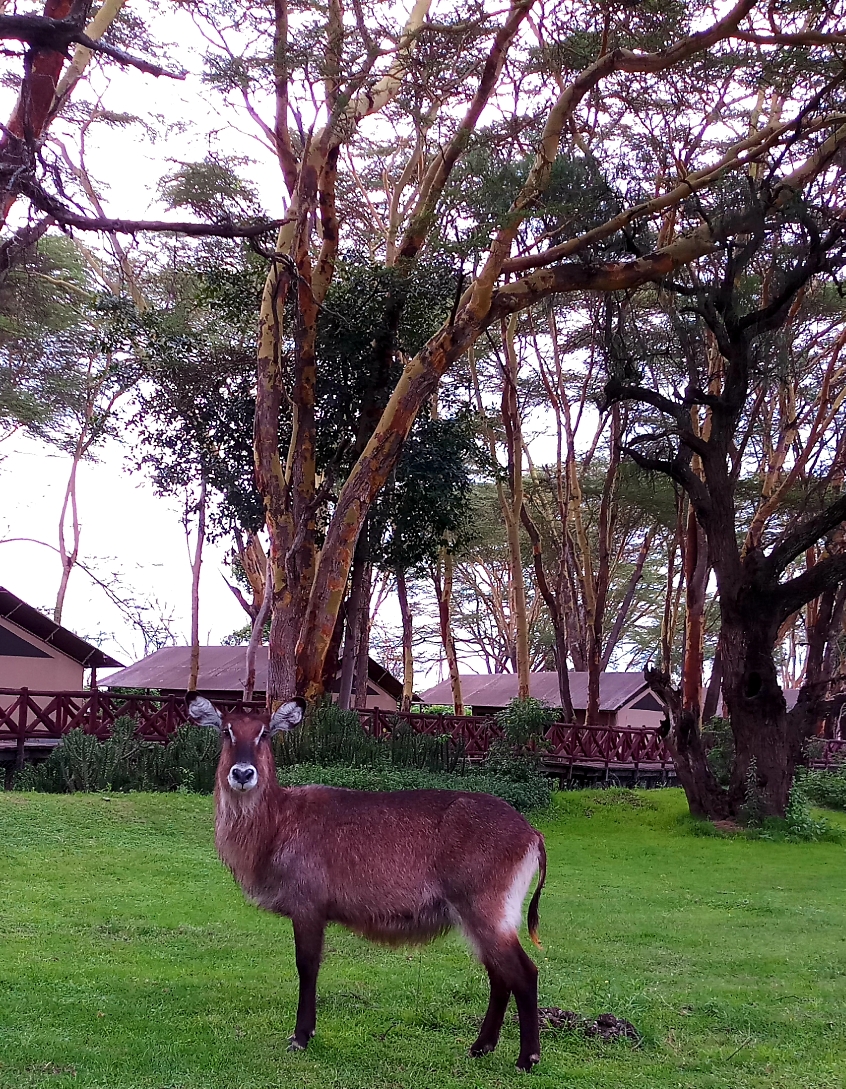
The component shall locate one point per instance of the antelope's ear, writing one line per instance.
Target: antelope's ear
(202, 712)
(288, 716)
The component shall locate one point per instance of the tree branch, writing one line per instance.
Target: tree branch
(796, 592)
(56, 35)
(26, 186)
(802, 537)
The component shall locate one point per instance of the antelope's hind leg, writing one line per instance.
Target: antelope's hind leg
(488, 1036)
(308, 943)
(511, 971)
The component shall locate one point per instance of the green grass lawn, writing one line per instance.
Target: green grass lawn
(128, 958)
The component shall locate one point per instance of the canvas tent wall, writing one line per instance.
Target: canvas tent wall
(39, 654)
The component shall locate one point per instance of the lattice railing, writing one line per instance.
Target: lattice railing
(31, 717)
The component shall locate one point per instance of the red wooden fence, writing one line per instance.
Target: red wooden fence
(31, 720)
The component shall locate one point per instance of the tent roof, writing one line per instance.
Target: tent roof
(499, 689)
(54, 635)
(221, 670)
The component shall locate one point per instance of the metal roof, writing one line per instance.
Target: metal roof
(51, 633)
(499, 689)
(222, 669)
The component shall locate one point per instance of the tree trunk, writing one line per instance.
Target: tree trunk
(628, 597)
(705, 797)
(761, 727)
(696, 571)
(596, 613)
(362, 661)
(407, 649)
(257, 634)
(69, 556)
(513, 510)
(35, 100)
(196, 566)
(715, 683)
(561, 668)
(443, 593)
(352, 636)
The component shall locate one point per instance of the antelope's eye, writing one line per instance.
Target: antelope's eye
(231, 734)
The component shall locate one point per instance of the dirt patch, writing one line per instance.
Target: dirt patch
(728, 828)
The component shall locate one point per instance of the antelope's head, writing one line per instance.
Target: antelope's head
(246, 759)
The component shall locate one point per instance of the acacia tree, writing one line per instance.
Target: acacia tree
(755, 313)
(309, 588)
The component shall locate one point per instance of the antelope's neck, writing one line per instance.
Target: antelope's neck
(247, 831)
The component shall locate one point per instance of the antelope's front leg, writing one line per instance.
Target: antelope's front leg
(308, 943)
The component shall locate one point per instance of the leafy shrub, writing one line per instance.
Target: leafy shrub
(333, 737)
(799, 824)
(752, 810)
(329, 736)
(435, 753)
(525, 720)
(825, 788)
(523, 796)
(719, 743)
(501, 760)
(81, 762)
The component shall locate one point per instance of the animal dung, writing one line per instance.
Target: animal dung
(605, 1027)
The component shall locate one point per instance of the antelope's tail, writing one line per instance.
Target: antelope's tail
(533, 905)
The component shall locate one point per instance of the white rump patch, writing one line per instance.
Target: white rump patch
(512, 907)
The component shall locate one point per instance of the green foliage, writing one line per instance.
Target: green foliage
(329, 736)
(799, 824)
(719, 743)
(525, 720)
(752, 810)
(331, 739)
(122, 762)
(45, 309)
(212, 189)
(429, 497)
(827, 787)
(525, 796)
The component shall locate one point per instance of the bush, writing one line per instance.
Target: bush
(524, 796)
(525, 720)
(332, 737)
(332, 745)
(81, 762)
(825, 788)
(329, 736)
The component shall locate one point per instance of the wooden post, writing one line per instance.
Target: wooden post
(92, 711)
(23, 707)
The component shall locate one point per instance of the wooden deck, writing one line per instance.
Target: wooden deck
(32, 724)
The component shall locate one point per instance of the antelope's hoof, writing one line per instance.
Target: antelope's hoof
(295, 1045)
(526, 1064)
(479, 1049)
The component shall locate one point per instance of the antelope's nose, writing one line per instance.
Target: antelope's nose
(243, 774)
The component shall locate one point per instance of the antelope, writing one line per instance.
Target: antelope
(394, 867)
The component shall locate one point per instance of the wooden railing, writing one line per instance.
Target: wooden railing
(30, 720)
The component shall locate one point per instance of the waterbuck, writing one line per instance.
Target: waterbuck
(395, 867)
